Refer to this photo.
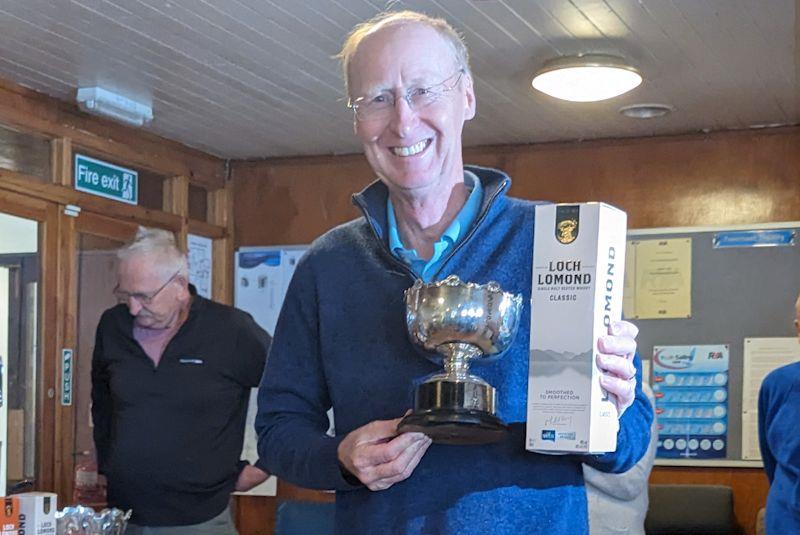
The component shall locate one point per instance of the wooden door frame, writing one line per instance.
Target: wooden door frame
(46, 214)
(98, 225)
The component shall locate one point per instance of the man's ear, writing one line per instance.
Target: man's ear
(184, 284)
(470, 105)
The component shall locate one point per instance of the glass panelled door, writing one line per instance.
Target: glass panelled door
(19, 351)
(98, 239)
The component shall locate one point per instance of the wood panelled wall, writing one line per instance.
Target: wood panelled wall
(715, 179)
(698, 180)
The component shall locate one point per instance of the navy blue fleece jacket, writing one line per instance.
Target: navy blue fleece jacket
(341, 342)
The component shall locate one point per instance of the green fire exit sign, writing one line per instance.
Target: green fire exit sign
(106, 180)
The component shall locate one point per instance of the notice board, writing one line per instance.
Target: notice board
(744, 283)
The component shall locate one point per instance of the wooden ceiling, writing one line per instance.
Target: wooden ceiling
(256, 78)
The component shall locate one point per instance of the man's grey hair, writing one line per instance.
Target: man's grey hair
(391, 18)
(160, 245)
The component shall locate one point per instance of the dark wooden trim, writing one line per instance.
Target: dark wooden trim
(30, 186)
(34, 112)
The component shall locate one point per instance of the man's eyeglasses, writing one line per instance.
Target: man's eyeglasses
(141, 297)
(380, 106)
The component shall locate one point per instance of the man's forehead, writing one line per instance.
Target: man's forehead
(414, 51)
(141, 266)
(402, 32)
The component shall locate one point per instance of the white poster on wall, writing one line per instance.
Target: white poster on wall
(200, 261)
(761, 356)
(262, 278)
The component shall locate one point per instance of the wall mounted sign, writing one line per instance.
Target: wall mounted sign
(106, 180)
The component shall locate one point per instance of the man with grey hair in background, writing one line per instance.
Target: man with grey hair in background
(341, 340)
(171, 378)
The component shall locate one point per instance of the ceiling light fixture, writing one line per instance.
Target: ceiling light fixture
(109, 104)
(646, 111)
(586, 78)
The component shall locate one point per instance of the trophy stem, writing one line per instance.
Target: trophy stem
(456, 358)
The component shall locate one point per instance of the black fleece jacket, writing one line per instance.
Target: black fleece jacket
(169, 437)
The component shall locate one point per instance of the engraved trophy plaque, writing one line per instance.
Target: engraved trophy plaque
(463, 322)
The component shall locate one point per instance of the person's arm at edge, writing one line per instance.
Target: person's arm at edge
(250, 355)
(764, 408)
(101, 401)
(292, 400)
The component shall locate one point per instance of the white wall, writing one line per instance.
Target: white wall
(17, 235)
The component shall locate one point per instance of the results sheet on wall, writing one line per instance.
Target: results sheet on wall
(690, 384)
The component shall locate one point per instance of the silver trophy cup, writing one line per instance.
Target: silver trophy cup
(463, 322)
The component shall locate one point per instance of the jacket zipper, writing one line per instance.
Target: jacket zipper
(384, 248)
(396, 261)
(474, 228)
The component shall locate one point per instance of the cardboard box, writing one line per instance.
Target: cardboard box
(9, 516)
(578, 273)
(37, 513)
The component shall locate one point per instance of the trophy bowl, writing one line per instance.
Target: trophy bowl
(462, 322)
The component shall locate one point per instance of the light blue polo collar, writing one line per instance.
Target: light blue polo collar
(454, 232)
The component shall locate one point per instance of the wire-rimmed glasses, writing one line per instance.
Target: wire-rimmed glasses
(380, 105)
(141, 297)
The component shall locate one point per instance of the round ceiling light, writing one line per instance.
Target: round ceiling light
(586, 78)
(646, 111)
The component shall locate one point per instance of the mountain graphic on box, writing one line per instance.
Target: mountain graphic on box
(548, 363)
(545, 355)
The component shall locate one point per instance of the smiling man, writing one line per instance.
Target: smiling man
(341, 338)
(171, 378)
